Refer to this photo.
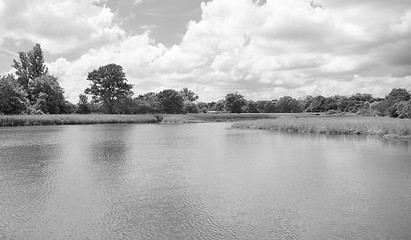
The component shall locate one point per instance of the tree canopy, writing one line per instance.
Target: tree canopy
(234, 102)
(109, 86)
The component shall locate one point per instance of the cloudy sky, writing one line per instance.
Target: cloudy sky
(262, 49)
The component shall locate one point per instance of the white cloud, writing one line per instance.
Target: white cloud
(264, 51)
(60, 26)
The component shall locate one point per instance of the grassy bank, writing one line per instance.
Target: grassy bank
(220, 117)
(73, 119)
(347, 125)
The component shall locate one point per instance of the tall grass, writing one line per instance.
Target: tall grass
(221, 117)
(349, 125)
(72, 119)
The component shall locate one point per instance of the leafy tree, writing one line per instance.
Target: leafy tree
(250, 107)
(48, 94)
(404, 109)
(13, 99)
(188, 95)
(234, 102)
(317, 104)
(190, 107)
(83, 104)
(147, 103)
(109, 86)
(171, 101)
(288, 104)
(30, 66)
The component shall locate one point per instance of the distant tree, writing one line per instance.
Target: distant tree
(234, 102)
(147, 103)
(171, 101)
(29, 67)
(190, 107)
(288, 104)
(109, 86)
(386, 106)
(188, 95)
(83, 105)
(317, 104)
(13, 99)
(404, 109)
(48, 94)
(250, 107)
(397, 95)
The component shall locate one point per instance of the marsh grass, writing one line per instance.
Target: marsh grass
(222, 117)
(347, 125)
(72, 119)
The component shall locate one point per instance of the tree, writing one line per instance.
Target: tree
(234, 102)
(171, 101)
(147, 103)
(188, 95)
(317, 104)
(250, 107)
(13, 99)
(288, 104)
(109, 86)
(47, 94)
(30, 66)
(83, 105)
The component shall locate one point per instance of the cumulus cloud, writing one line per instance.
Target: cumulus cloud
(264, 50)
(60, 26)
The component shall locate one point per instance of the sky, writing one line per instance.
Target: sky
(263, 49)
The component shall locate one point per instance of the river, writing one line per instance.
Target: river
(200, 181)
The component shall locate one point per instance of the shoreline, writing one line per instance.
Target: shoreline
(80, 119)
(388, 128)
(345, 124)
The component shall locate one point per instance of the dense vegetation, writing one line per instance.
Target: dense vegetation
(32, 90)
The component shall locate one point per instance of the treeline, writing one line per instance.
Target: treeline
(32, 90)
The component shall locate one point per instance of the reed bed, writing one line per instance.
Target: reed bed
(72, 119)
(341, 125)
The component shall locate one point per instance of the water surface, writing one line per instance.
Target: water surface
(200, 181)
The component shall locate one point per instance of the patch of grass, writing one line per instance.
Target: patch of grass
(223, 117)
(72, 119)
(343, 125)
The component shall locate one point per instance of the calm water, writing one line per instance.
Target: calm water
(200, 181)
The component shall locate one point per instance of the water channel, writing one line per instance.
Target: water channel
(200, 181)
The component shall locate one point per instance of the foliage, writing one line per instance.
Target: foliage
(234, 102)
(288, 104)
(188, 95)
(250, 107)
(48, 95)
(109, 86)
(190, 107)
(13, 99)
(30, 66)
(83, 105)
(171, 101)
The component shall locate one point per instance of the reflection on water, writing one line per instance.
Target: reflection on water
(200, 181)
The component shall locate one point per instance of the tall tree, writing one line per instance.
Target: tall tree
(13, 99)
(48, 94)
(288, 104)
(109, 86)
(234, 102)
(30, 66)
(171, 101)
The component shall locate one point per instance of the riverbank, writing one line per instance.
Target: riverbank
(338, 125)
(76, 119)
